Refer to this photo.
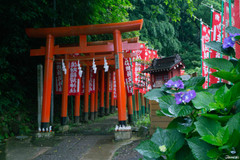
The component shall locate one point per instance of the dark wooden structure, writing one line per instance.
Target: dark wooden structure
(164, 69)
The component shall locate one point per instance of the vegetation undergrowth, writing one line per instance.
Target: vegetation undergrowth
(206, 122)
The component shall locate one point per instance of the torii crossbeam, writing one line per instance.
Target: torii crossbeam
(82, 31)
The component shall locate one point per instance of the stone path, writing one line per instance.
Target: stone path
(93, 141)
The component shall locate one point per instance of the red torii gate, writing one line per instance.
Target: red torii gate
(82, 31)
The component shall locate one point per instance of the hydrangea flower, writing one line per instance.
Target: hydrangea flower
(176, 84)
(192, 94)
(185, 97)
(163, 148)
(230, 41)
(169, 84)
(178, 97)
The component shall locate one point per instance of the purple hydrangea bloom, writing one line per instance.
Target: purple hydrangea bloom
(178, 84)
(230, 41)
(186, 97)
(178, 97)
(169, 84)
(192, 94)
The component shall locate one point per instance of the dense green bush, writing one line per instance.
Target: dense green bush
(207, 121)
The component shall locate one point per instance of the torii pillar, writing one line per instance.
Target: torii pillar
(47, 84)
(121, 91)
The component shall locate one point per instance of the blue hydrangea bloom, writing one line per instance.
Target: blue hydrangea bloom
(192, 94)
(178, 97)
(169, 84)
(184, 97)
(230, 41)
(176, 84)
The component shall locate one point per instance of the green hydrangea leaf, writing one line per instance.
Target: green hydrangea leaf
(149, 149)
(154, 94)
(164, 103)
(233, 30)
(202, 100)
(199, 148)
(182, 124)
(214, 153)
(234, 78)
(193, 82)
(171, 138)
(219, 64)
(206, 126)
(180, 110)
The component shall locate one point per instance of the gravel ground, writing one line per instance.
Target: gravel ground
(128, 152)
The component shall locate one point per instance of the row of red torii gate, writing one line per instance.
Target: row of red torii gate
(79, 69)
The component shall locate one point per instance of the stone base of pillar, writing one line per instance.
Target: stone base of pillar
(122, 135)
(76, 119)
(107, 111)
(92, 116)
(44, 134)
(101, 112)
(85, 117)
(63, 121)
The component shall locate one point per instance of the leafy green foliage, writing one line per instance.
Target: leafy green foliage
(149, 149)
(172, 139)
(219, 64)
(202, 100)
(182, 124)
(210, 121)
(199, 148)
(232, 77)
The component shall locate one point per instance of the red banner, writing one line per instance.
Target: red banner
(92, 79)
(205, 52)
(83, 81)
(237, 24)
(215, 36)
(114, 85)
(58, 77)
(74, 79)
(128, 75)
(155, 55)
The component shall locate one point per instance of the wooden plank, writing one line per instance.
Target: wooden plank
(157, 121)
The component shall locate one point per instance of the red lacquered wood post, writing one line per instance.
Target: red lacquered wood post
(121, 92)
(65, 93)
(47, 84)
(96, 95)
(86, 95)
(130, 109)
(137, 102)
(77, 105)
(102, 94)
